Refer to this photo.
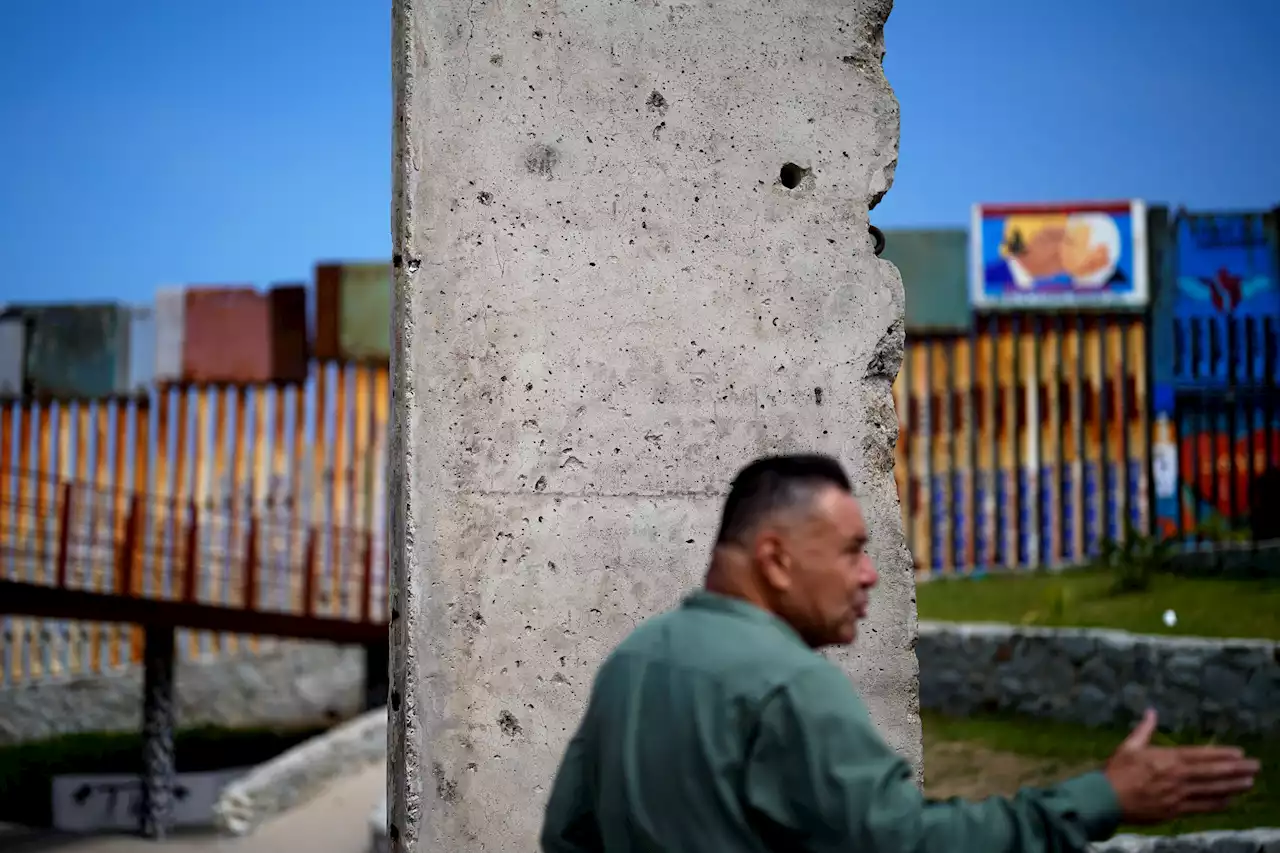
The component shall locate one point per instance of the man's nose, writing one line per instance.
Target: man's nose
(870, 577)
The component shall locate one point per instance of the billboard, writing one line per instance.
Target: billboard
(1053, 256)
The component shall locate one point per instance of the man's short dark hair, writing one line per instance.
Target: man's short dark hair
(775, 484)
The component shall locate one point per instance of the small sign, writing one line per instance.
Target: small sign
(114, 801)
(1054, 256)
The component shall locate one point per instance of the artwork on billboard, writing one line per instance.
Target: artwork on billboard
(1226, 266)
(1080, 255)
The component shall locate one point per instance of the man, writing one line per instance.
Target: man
(717, 727)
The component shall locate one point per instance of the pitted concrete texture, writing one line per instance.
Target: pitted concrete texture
(1099, 677)
(631, 254)
(290, 682)
(297, 775)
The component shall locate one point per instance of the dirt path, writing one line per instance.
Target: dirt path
(973, 771)
(337, 821)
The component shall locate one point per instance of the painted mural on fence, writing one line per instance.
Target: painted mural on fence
(1218, 432)
(1023, 442)
(1046, 256)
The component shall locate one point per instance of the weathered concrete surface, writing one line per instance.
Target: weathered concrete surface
(607, 301)
(1101, 678)
(292, 682)
(300, 773)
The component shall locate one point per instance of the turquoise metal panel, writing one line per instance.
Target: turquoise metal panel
(934, 267)
(13, 344)
(76, 352)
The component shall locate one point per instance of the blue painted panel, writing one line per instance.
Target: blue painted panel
(142, 350)
(1227, 299)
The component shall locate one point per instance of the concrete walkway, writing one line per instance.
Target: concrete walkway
(336, 821)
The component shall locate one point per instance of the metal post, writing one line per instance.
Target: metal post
(158, 766)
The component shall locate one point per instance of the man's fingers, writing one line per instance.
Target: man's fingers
(1208, 754)
(1225, 768)
(1221, 787)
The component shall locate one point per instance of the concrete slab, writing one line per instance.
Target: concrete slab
(631, 254)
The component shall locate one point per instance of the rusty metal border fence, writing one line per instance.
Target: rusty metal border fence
(198, 487)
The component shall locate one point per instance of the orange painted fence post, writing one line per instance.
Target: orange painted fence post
(64, 534)
(251, 565)
(128, 545)
(366, 590)
(309, 575)
(189, 563)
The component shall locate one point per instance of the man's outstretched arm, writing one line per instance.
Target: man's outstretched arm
(823, 780)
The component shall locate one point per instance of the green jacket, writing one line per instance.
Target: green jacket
(714, 728)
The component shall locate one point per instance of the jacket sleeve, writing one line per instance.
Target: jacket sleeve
(569, 824)
(820, 778)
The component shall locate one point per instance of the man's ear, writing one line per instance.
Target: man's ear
(773, 560)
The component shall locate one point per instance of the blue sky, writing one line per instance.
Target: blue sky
(151, 142)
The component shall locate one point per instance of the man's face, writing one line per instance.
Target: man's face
(819, 569)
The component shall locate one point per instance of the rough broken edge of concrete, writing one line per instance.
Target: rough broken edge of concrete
(1261, 840)
(295, 776)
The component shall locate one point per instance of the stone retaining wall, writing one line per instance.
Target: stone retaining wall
(1100, 677)
(291, 682)
(1248, 841)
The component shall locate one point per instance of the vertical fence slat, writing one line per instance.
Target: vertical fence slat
(116, 633)
(206, 573)
(279, 541)
(143, 553)
(901, 471)
(258, 483)
(219, 499)
(164, 522)
(338, 569)
(319, 494)
(185, 445)
(299, 514)
(378, 484)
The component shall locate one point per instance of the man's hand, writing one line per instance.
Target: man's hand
(1155, 784)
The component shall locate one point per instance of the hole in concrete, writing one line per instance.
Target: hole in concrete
(791, 175)
(395, 700)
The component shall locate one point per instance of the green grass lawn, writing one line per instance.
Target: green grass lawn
(27, 769)
(978, 756)
(1205, 607)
